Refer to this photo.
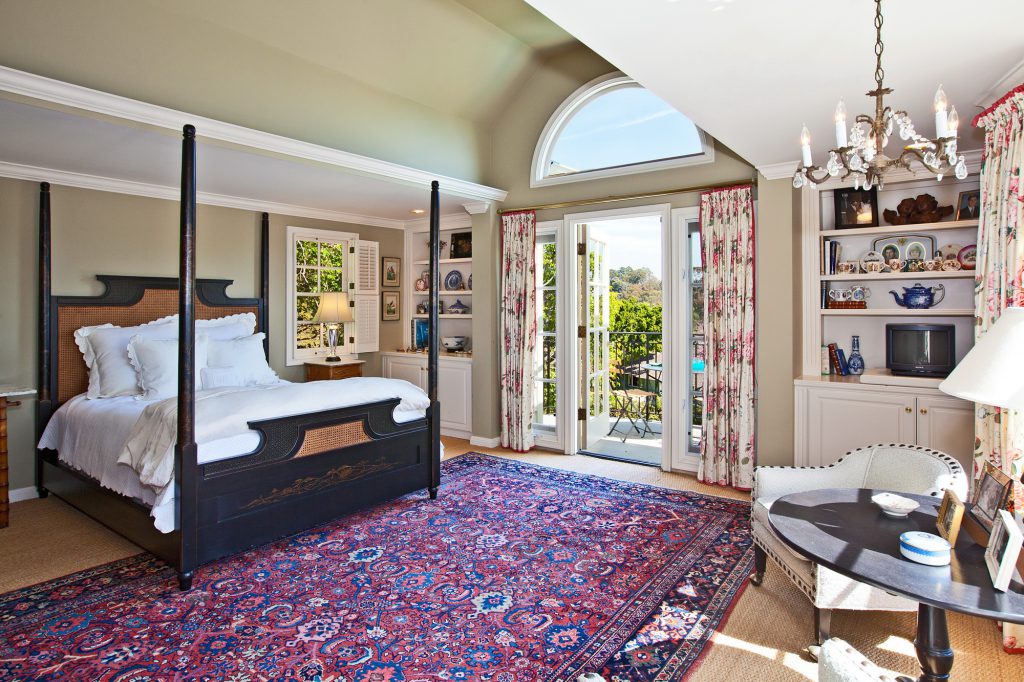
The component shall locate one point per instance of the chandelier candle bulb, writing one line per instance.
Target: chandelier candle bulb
(805, 145)
(941, 120)
(841, 124)
(953, 122)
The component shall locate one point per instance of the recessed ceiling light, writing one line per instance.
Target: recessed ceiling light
(418, 211)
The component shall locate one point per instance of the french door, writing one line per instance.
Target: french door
(592, 333)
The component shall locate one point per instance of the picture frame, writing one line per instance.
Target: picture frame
(1004, 545)
(420, 334)
(990, 495)
(462, 245)
(391, 271)
(856, 207)
(966, 209)
(951, 515)
(391, 306)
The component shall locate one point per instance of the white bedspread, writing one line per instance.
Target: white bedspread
(91, 435)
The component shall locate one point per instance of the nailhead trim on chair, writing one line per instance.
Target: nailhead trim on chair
(810, 590)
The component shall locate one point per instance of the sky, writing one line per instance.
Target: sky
(631, 241)
(626, 125)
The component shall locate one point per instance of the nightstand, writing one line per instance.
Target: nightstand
(7, 392)
(321, 370)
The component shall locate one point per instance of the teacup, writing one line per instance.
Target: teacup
(859, 293)
(951, 264)
(846, 267)
(933, 264)
(840, 294)
(874, 266)
(897, 264)
(915, 265)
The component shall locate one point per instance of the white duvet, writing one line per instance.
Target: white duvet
(128, 445)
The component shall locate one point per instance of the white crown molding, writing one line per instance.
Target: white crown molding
(777, 171)
(78, 97)
(477, 207)
(1010, 80)
(451, 221)
(143, 189)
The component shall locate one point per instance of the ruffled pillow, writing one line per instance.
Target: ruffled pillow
(156, 364)
(244, 357)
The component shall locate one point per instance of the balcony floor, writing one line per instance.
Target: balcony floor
(645, 450)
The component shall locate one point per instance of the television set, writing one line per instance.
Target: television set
(923, 350)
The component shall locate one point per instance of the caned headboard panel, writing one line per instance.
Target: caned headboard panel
(127, 301)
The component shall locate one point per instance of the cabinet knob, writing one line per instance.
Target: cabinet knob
(924, 410)
(908, 410)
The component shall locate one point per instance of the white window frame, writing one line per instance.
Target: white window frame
(574, 103)
(543, 436)
(295, 356)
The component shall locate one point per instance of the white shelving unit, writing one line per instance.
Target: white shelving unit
(417, 254)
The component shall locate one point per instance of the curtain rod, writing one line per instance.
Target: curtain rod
(628, 197)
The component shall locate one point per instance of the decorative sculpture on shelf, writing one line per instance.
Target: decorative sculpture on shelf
(924, 209)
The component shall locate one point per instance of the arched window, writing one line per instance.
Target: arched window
(614, 126)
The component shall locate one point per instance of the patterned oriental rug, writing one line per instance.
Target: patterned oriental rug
(515, 573)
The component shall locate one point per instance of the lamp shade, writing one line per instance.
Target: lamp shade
(334, 308)
(992, 373)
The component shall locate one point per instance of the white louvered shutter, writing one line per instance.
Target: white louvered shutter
(366, 295)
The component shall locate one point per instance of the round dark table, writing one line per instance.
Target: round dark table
(845, 531)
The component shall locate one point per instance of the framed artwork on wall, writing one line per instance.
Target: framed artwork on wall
(968, 205)
(390, 309)
(391, 272)
(856, 207)
(462, 245)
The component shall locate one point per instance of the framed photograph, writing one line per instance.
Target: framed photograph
(1003, 549)
(990, 495)
(462, 245)
(951, 513)
(419, 334)
(856, 207)
(391, 272)
(968, 206)
(391, 308)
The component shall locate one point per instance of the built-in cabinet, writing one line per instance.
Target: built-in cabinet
(454, 386)
(454, 288)
(836, 417)
(836, 414)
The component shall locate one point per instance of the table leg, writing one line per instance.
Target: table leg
(932, 644)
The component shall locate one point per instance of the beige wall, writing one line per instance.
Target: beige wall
(105, 233)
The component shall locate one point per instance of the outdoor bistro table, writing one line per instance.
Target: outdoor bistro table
(844, 531)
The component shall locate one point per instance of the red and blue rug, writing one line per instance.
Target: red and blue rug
(515, 573)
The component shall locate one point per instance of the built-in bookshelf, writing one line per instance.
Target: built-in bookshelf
(417, 254)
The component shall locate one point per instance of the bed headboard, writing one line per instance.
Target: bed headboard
(127, 301)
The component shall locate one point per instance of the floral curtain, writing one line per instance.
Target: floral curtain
(999, 283)
(727, 239)
(517, 329)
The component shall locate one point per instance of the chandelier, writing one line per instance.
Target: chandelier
(862, 154)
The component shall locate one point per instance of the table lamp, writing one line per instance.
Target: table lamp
(992, 373)
(334, 311)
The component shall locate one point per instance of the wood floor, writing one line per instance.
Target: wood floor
(763, 638)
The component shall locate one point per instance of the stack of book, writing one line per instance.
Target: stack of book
(838, 360)
(831, 253)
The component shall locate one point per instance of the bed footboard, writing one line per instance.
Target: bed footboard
(310, 469)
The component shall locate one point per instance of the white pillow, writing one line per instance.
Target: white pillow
(245, 357)
(220, 377)
(228, 327)
(105, 349)
(156, 364)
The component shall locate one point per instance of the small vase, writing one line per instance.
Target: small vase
(855, 361)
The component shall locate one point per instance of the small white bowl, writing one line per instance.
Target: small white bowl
(894, 506)
(925, 548)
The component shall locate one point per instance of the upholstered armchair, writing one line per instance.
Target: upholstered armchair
(896, 467)
(840, 662)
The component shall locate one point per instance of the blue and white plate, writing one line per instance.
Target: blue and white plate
(453, 282)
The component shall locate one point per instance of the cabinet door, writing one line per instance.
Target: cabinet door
(947, 425)
(454, 386)
(409, 369)
(843, 420)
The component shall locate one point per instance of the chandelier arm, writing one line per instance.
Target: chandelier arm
(823, 175)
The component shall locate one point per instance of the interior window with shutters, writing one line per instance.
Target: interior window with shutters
(322, 261)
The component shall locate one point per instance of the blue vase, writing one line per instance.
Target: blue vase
(855, 361)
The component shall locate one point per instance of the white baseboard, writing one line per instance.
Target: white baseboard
(22, 494)
(482, 442)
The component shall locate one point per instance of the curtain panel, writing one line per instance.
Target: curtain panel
(999, 283)
(518, 329)
(728, 448)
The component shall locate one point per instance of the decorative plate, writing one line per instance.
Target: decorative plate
(871, 257)
(949, 251)
(453, 281)
(968, 256)
(469, 283)
(923, 244)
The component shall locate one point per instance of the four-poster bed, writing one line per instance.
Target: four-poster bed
(308, 469)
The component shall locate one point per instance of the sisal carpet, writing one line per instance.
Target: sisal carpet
(516, 572)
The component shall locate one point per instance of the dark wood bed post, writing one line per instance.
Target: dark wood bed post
(185, 462)
(264, 320)
(45, 405)
(433, 340)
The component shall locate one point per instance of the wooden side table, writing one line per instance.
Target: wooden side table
(7, 392)
(321, 370)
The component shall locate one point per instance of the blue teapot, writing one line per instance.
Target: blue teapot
(919, 296)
